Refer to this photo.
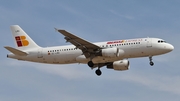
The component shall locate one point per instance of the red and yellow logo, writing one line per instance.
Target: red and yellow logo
(21, 41)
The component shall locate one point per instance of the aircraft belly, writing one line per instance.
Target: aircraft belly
(138, 52)
(101, 59)
(68, 57)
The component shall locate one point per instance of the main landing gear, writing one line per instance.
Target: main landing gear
(98, 71)
(90, 64)
(150, 59)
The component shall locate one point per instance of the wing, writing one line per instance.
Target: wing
(87, 48)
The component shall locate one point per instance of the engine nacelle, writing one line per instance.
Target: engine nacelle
(112, 52)
(119, 65)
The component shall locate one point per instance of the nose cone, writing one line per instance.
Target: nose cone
(169, 47)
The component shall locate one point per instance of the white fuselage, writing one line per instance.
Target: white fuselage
(132, 48)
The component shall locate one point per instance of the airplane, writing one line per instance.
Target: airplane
(112, 54)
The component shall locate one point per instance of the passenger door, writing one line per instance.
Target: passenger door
(149, 42)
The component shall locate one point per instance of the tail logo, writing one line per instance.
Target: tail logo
(21, 41)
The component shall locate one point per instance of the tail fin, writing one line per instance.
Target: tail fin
(22, 40)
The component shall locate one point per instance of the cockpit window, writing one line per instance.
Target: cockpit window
(161, 41)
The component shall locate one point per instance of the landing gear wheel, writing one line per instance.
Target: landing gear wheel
(90, 64)
(98, 72)
(151, 63)
(150, 59)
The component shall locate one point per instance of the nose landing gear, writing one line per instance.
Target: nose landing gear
(150, 59)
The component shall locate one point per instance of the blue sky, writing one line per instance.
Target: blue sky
(94, 21)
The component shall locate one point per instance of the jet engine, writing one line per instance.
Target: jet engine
(119, 65)
(112, 52)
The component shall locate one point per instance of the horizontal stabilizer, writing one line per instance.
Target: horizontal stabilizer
(16, 51)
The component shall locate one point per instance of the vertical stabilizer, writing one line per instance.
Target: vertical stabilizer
(22, 40)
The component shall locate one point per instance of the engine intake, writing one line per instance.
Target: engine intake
(119, 65)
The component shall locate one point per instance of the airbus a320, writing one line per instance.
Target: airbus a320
(112, 54)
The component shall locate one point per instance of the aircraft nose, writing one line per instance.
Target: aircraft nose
(169, 47)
